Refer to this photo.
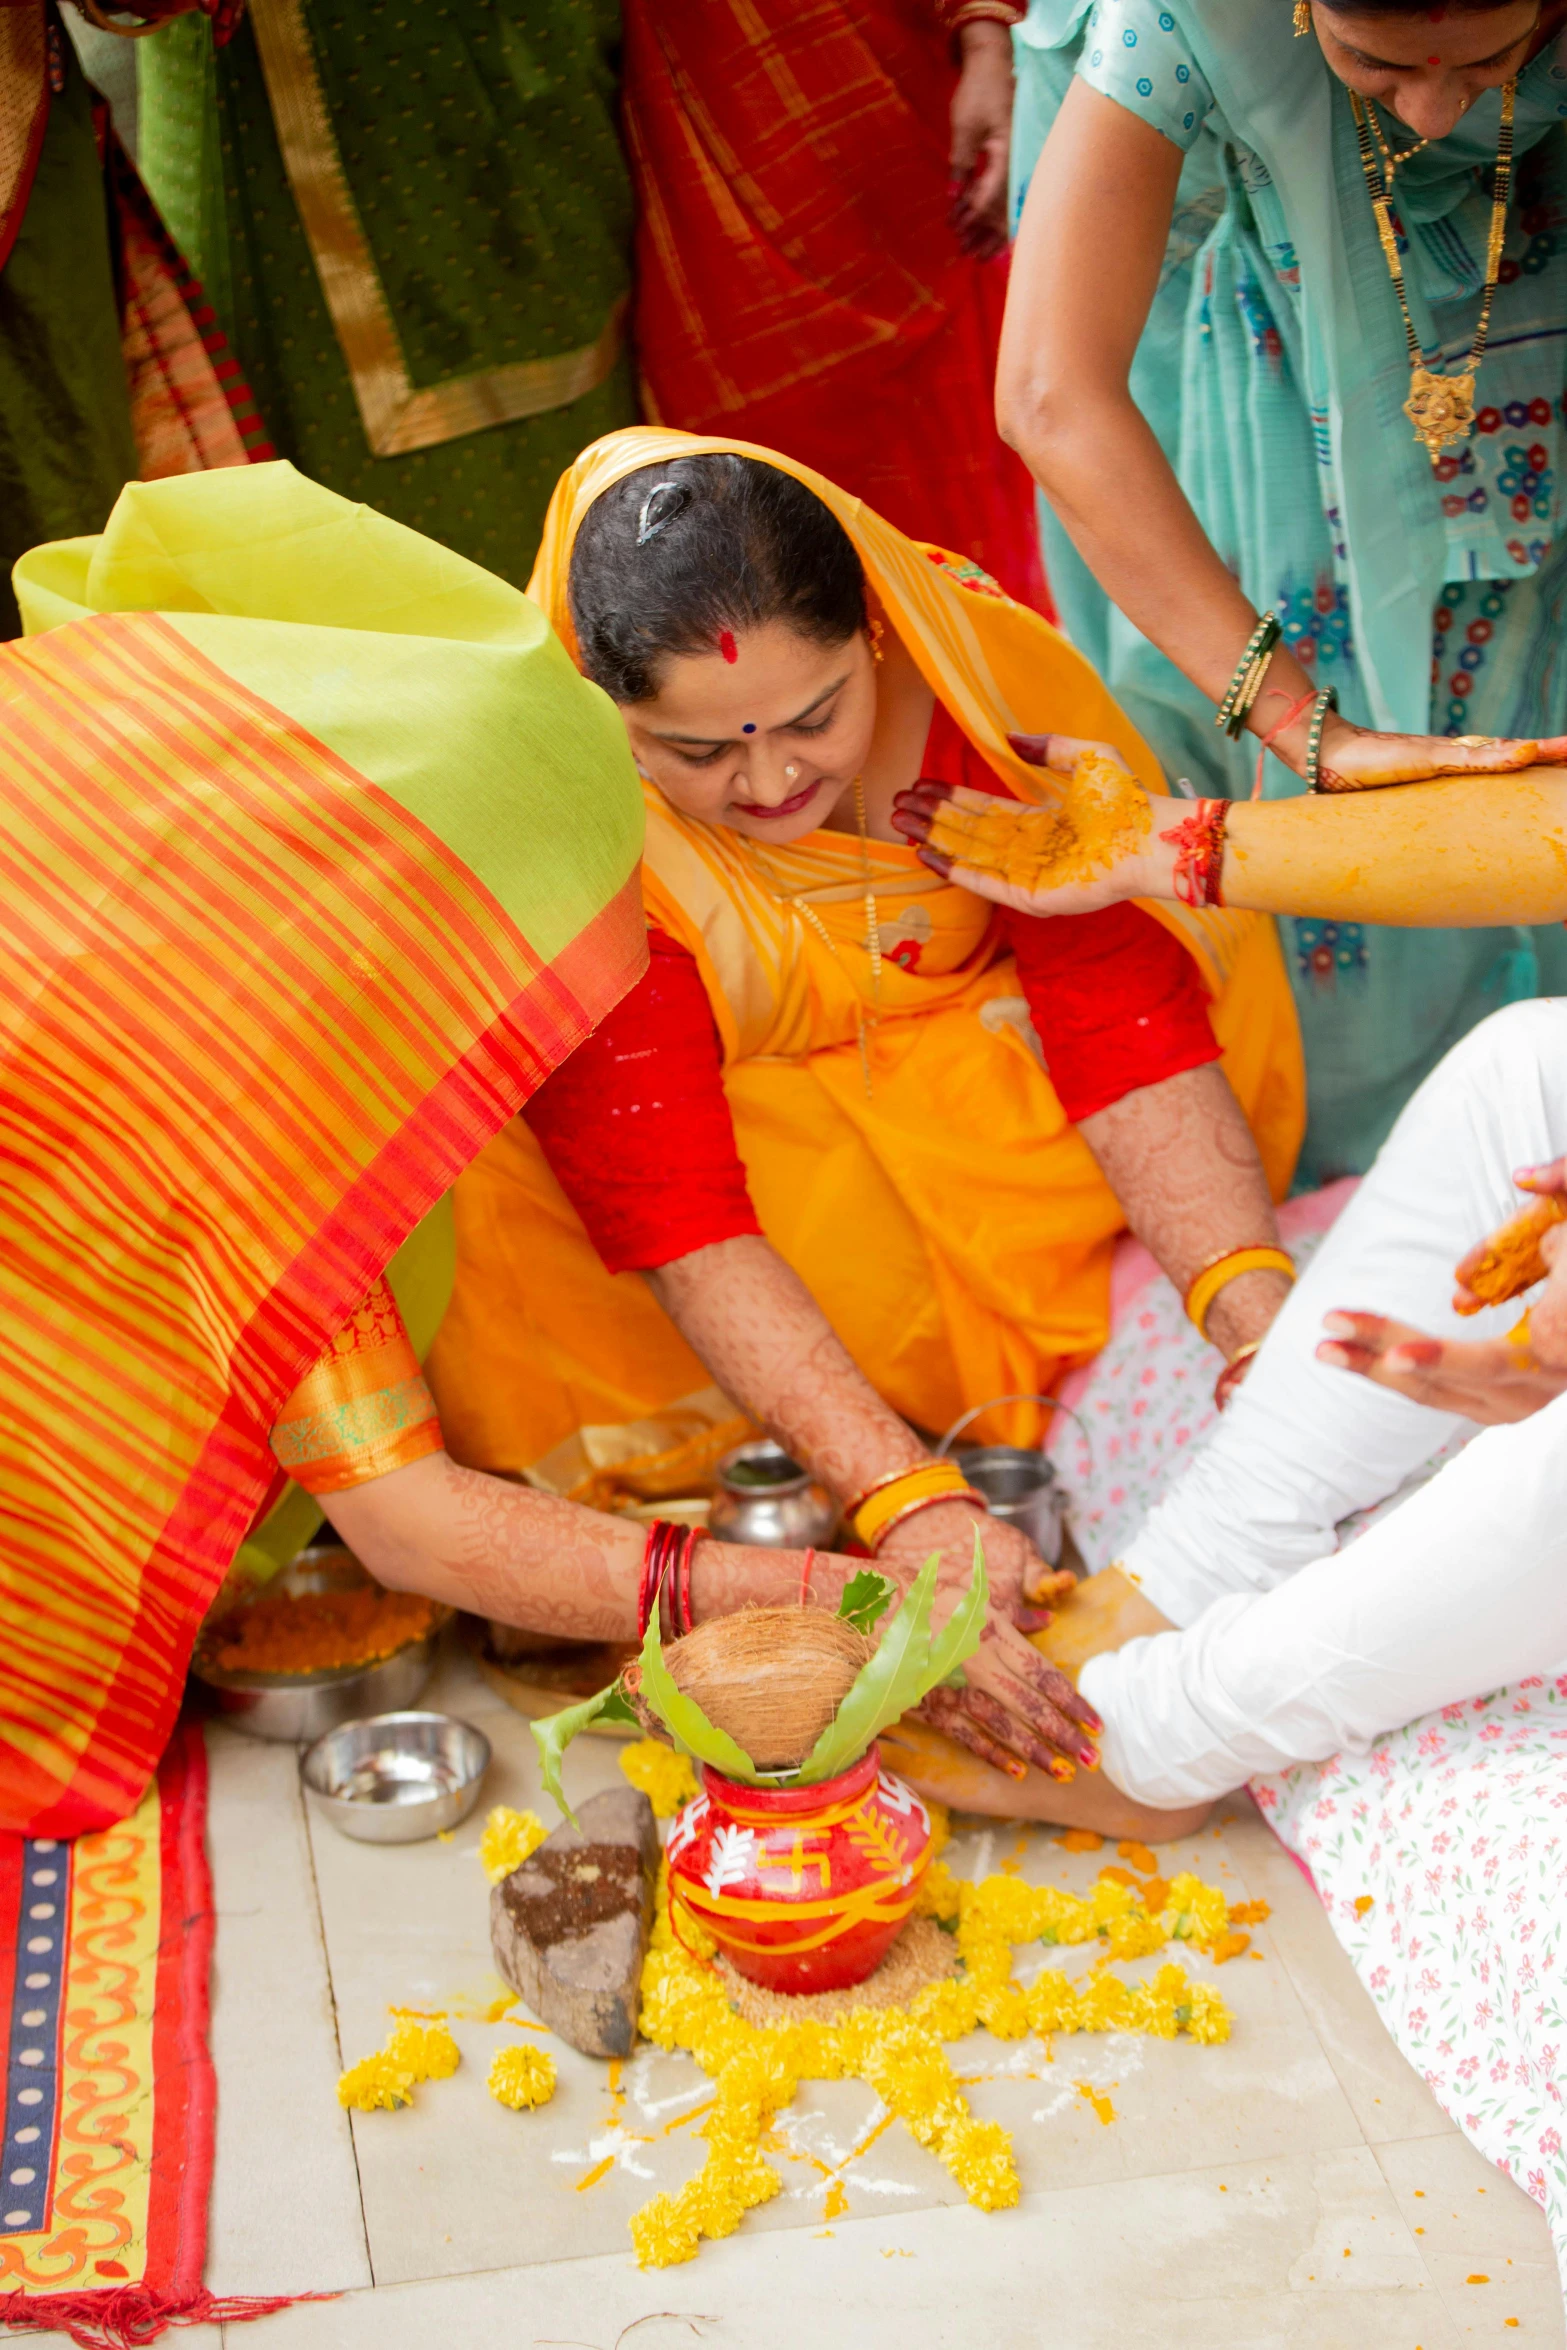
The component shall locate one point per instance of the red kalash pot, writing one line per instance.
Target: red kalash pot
(804, 1888)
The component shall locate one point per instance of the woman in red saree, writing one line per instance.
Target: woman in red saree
(799, 280)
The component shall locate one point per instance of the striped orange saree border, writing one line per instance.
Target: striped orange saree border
(255, 1019)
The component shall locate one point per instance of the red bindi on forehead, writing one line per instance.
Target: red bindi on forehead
(1433, 61)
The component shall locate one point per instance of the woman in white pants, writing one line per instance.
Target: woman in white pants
(1286, 1647)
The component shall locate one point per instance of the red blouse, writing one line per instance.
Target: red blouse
(636, 1125)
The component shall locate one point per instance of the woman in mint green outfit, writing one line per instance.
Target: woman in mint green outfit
(1206, 366)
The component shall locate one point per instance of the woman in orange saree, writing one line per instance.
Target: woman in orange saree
(318, 857)
(824, 1170)
(798, 282)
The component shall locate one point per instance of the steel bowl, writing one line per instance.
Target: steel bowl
(397, 1777)
(294, 1708)
(765, 1497)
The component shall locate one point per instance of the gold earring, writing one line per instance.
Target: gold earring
(877, 630)
(1302, 19)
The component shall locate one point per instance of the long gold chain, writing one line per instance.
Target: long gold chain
(1441, 407)
(872, 928)
(1390, 160)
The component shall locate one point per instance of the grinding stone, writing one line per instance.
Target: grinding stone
(569, 1929)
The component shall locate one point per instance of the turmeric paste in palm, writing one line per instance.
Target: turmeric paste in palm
(1102, 814)
(1508, 1261)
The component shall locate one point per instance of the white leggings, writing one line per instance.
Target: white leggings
(1293, 1650)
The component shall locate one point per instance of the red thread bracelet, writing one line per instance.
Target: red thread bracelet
(1268, 740)
(1198, 841)
(805, 1578)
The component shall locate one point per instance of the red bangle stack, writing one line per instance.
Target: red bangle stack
(666, 1574)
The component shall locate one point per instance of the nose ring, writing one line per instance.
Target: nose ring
(791, 772)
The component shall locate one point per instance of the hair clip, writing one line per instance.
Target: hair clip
(654, 518)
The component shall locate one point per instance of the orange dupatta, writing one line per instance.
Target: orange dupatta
(953, 1226)
(317, 857)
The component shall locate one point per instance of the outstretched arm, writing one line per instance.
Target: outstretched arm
(1464, 853)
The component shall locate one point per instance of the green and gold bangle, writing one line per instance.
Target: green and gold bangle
(1246, 679)
(1327, 700)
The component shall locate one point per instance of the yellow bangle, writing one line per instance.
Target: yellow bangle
(1223, 1270)
(874, 1512)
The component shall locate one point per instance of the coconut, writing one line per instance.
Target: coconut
(772, 1677)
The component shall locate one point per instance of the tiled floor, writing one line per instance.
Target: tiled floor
(1296, 2187)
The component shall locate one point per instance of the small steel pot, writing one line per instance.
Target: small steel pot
(1019, 1483)
(765, 1497)
(396, 1778)
(1023, 1491)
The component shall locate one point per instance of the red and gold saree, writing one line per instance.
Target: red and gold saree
(797, 284)
(317, 857)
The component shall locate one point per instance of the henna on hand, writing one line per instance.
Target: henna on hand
(945, 1711)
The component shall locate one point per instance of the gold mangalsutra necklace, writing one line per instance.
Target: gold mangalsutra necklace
(1441, 407)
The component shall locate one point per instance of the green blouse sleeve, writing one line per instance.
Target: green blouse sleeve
(1134, 52)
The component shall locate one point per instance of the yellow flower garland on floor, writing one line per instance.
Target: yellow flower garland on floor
(899, 2054)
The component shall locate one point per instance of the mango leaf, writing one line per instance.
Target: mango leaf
(866, 1599)
(906, 1666)
(896, 1678)
(555, 1733)
(684, 1719)
(959, 1635)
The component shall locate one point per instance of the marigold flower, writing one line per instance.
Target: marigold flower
(508, 1839)
(520, 2077)
(663, 2233)
(377, 2081)
(666, 1778)
(412, 2054)
(979, 2156)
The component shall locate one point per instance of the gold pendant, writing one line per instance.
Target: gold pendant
(1440, 407)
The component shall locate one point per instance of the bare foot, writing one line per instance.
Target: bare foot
(1103, 1611)
(936, 1768)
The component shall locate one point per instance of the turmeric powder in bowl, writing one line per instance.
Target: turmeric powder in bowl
(317, 1631)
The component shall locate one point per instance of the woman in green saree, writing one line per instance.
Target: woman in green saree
(415, 227)
(1207, 368)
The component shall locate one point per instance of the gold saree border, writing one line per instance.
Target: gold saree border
(396, 415)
